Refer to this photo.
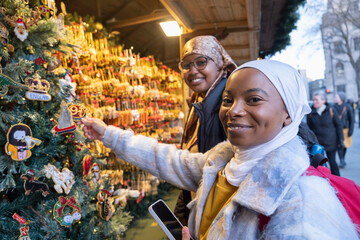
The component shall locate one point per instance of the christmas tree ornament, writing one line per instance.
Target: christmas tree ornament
(24, 233)
(31, 185)
(105, 205)
(78, 111)
(47, 8)
(95, 173)
(54, 65)
(121, 196)
(86, 164)
(63, 180)
(66, 123)
(6, 82)
(68, 87)
(20, 142)
(21, 24)
(38, 88)
(4, 40)
(18, 218)
(66, 218)
(24, 230)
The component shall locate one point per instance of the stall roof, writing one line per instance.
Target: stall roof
(244, 27)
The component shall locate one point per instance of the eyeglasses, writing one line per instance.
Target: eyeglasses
(199, 63)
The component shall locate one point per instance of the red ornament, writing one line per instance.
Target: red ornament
(39, 61)
(86, 164)
(72, 136)
(79, 149)
(69, 140)
(52, 120)
(81, 144)
(75, 142)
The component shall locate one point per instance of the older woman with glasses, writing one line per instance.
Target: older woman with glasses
(205, 67)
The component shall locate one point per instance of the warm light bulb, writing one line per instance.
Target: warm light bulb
(171, 28)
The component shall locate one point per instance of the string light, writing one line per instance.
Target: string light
(94, 230)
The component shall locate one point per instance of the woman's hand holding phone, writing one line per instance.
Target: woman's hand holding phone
(185, 233)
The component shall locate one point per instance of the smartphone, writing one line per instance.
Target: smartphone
(166, 220)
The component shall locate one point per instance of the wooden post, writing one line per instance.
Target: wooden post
(184, 88)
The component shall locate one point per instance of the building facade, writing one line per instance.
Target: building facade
(340, 31)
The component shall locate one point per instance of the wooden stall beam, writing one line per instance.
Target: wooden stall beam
(158, 15)
(179, 16)
(227, 24)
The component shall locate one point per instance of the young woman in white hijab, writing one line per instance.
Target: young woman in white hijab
(258, 172)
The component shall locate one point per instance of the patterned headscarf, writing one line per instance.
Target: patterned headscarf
(209, 46)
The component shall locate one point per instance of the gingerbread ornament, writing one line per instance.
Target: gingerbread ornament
(63, 180)
(20, 142)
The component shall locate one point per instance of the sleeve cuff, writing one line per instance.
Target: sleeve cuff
(107, 138)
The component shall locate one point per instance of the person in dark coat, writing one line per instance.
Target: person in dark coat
(346, 115)
(205, 67)
(325, 123)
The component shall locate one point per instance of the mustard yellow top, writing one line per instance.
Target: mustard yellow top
(220, 194)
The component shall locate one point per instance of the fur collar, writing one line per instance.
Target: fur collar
(268, 182)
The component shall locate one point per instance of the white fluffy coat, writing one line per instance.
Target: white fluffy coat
(301, 207)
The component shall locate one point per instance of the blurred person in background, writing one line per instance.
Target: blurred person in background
(346, 116)
(325, 123)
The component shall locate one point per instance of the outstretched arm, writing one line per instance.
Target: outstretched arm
(178, 167)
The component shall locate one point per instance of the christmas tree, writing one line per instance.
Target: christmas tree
(44, 160)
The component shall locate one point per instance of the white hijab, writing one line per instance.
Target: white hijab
(290, 86)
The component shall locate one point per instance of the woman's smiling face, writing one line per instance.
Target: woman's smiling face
(200, 80)
(252, 110)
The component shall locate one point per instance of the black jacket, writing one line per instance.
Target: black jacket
(346, 115)
(327, 128)
(211, 131)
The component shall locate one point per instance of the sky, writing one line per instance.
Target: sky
(306, 50)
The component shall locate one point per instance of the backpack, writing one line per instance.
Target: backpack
(346, 190)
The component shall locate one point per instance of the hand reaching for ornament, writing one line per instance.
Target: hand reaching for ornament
(94, 128)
